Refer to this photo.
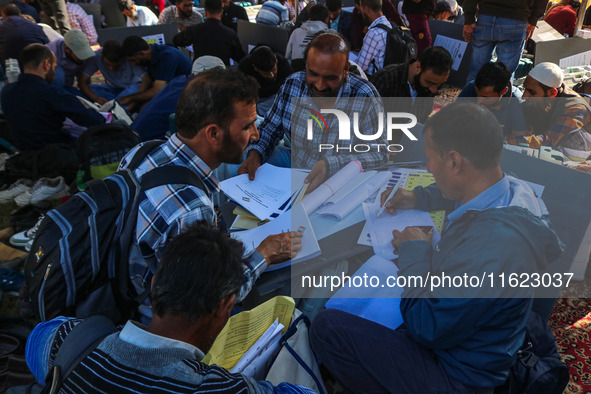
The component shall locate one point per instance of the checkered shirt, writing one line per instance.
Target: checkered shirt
(304, 153)
(166, 210)
(81, 21)
(372, 53)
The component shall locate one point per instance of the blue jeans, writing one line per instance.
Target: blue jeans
(506, 35)
(109, 92)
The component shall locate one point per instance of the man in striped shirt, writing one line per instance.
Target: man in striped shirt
(193, 293)
(273, 13)
(211, 132)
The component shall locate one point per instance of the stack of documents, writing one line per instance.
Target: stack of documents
(249, 342)
(378, 231)
(294, 220)
(270, 194)
(345, 191)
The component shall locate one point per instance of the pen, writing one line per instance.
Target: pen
(394, 189)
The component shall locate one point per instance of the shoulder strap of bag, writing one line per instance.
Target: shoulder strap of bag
(293, 328)
(384, 27)
(79, 343)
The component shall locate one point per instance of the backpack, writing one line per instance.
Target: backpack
(400, 46)
(101, 148)
(538, 368)
(78, 344)
(51, 161)
(78, 265)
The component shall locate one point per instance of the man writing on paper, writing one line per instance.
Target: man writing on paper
(328, 82)
(215, 117)
(193, 293)
(454, 339)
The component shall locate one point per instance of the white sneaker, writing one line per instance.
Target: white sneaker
(3, 158)
(16, 189)
(22, 238)
(47, 189)
(23, 199)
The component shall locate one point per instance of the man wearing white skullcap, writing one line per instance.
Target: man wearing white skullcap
(557, 115)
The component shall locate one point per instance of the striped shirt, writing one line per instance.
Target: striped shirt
(137, 361)
(166, 210)
(372, 53)
(272, 13)
(355, 95)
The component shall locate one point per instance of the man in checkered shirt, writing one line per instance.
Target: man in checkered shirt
(372, 53)
(325, 84)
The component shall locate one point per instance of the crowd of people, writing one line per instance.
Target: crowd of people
(223, 111)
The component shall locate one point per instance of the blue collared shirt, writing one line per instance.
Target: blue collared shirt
(498, 195)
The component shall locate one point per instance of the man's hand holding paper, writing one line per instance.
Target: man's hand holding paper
(278, 248)
(251, 164)
(316, 176)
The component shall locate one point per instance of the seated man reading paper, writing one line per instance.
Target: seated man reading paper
(454, 339)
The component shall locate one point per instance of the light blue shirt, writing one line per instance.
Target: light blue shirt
(498, 195)
(334, 24)
(136, 334)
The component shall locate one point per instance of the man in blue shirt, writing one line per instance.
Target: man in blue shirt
(16, 33)
(163, 63)
(493, 89)
(35, 110)
(153, 121)
(455, 338)
(122, 77)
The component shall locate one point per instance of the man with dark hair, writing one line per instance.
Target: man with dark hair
(33, 129)
(453, 340)
(163, 63)
(193, 293)
(232, 14)
(503, 27)
(215, 117)
(212, 38)
(372, 54)
(557, 115)
(338, 20)
(301, 37)
(182, 13)
(415, 79)
(270, 69)
(564, 18)
(494, 90)
(137, 15)
(122, 78)
(329, 84)
(16, 33)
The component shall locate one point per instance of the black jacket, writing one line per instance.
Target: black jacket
(213, 39)
(231, 16)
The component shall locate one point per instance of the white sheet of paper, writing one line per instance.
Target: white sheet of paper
(259, 357)
(380, 229)
(269, 194)
(294, 220)
(332, 185)
(155, 39)
(456, 48)
(580, 59)
(355, 197)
